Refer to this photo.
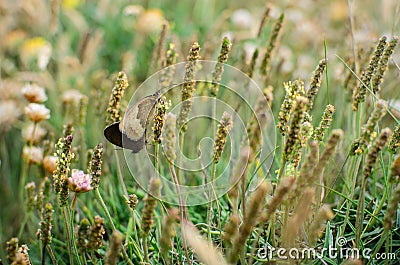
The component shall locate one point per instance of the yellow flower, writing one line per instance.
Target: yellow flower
(71, 4)
(35, 49)
(149, 21)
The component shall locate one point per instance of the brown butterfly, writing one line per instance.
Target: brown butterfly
(130, 133)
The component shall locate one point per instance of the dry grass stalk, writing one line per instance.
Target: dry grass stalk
(281, 191)
(367, 131)
(301, 214)
(150, 203)
(305, 177)
(168, 232)
(317, 226)
(206, 253)
(250, 220)
(390, 215)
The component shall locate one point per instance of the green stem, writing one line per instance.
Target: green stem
(372, 220)
(68, 232)
(145, 250)
(353, 187)
(182, 208)
(119, 174)
(103, 205)
(360, 213)
(25, 174)
(178, 172)
(52, 256)
(24, 221)
(378, 246)
(210, 204)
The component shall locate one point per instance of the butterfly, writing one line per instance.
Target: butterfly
(130, 133)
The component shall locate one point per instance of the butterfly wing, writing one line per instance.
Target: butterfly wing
(114, 136)
(131, 132)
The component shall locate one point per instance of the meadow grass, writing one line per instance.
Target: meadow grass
(325, 175)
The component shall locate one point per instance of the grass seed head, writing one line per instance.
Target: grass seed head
(150, 204)
(113, 252)
(367, 131)
(360, 91)
(159, 119)
(395, 170)
(317, 226)
(224, 127)
(82, 235)
(315, 84)
(44, 232)
(168, 231)
(114, 104)
(254, 206)
(30, 196)
(12, 247)
(23, 256)
(43, 194)
(60, 176)
(132, 201)
(377, 78)
(266, 61)
(95, 165)
(373, 153)
(294, 136)
(293, 89)
(390, 216)
(170, 137)
(95, 237)
(188, 86)
(296, 221)
(219, 67)
(325, 123)
(394, 143)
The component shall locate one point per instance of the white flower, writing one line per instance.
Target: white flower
(32, 155)
(71, 96)
(9, 113)
(133, 10)
(242, 18)
(50, 163)
(79, 182)
(37, 112)
(34, 93)
(32, 134)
